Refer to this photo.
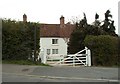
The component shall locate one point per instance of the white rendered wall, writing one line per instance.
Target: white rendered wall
(46, 43)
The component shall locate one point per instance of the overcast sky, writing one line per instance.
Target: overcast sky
(49, 11)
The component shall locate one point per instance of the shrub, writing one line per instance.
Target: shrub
(104, 49)
(18, 39)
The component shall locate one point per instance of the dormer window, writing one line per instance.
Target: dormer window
(54, 41)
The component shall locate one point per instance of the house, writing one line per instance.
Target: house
(54, 38)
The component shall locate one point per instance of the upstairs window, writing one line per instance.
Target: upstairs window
(54, 41)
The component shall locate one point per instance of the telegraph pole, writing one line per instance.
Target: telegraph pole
(35, 43)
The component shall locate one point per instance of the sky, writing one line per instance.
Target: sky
(50, 11)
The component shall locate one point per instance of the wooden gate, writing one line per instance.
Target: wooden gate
(77, 59)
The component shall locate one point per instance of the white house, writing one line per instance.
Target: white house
(54, 38)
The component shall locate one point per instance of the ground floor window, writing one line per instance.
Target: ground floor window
(48, 51)
(54, 51)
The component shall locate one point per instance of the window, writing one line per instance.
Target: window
(54, 51)
(48, 51)
(54, 41)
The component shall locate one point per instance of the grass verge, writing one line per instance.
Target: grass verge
(23, 62)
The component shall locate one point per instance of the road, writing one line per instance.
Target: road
(26, 73)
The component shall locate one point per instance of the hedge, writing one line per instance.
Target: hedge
(18, 39)
(104, 49)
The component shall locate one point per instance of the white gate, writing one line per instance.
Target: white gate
(77, 59)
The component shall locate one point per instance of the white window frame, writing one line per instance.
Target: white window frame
(54, 51)
(48, 52)
(54, 41)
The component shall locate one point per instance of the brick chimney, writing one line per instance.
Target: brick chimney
(24, 18)
(61, 21)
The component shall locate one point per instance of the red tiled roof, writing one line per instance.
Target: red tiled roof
(55, 30)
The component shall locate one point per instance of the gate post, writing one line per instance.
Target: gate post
(86, 52)
(43, 56)
(88, 58)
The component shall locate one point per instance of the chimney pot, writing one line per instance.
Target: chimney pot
(61, 21)
(24, 18)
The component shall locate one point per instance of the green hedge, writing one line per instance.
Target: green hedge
(18, 39)
(104, 49)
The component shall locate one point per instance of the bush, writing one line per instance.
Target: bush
(18, 39)
(104, 49)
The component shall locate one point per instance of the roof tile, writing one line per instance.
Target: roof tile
(54, 30)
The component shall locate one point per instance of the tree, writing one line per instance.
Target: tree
(76, 41)
(83, 29)
(77, 36)
(108, 25)
(97, 22)
(18, 39)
